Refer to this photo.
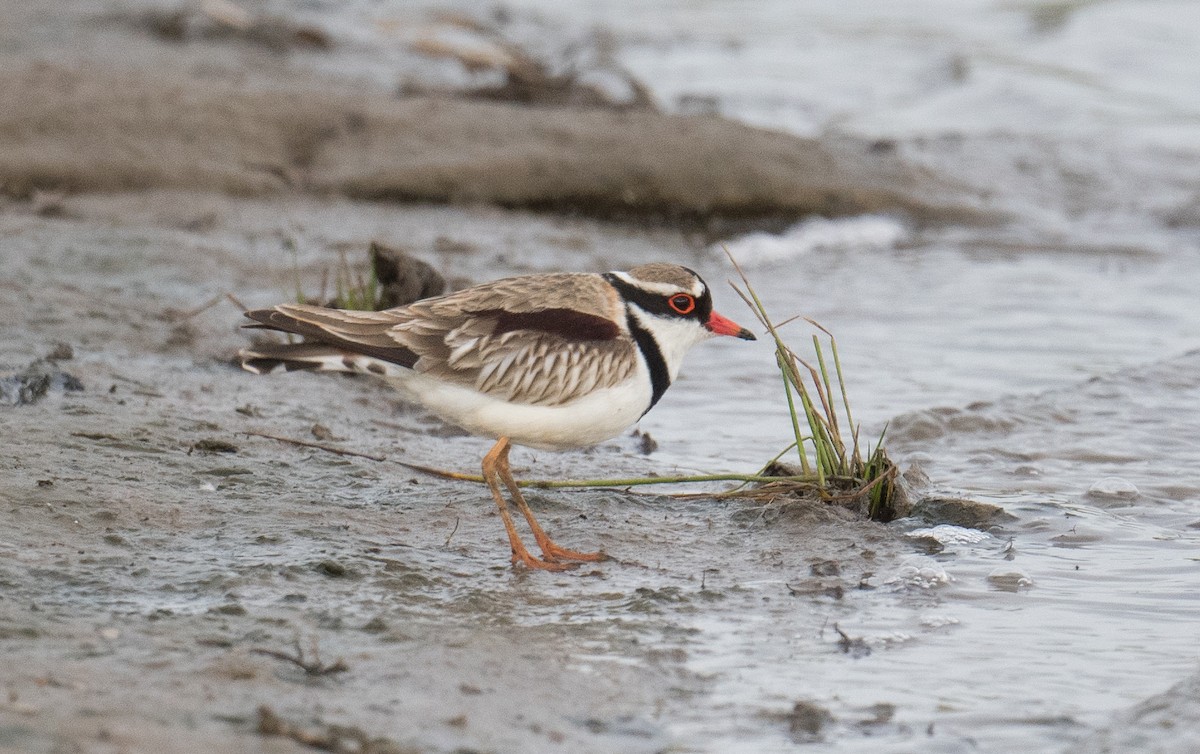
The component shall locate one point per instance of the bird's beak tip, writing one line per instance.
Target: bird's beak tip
(725, 326)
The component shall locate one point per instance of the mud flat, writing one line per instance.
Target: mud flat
(173, 579)
(153, 546)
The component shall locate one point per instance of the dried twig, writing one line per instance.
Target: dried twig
(311, 667)
(316, 446)
(339, 739)
(625, 482)
(452, 532)
(772, 484)
(208, 305)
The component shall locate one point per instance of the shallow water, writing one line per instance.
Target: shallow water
(1062, 342)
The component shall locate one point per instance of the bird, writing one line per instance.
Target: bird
(551, 361)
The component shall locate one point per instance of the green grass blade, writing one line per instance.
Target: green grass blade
(799, 444)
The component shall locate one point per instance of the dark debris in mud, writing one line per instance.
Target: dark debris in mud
(927, 544)
(36, 381)
(855, 646)
(333, 569)
(807, 721)
(225, 21)
(583, 74)
(851, 494)
(403, 279)
(340, 739)
(645, 443)
(212, 445)
(817, 588)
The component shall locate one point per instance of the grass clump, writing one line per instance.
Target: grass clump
(352, 287)
(827, 441)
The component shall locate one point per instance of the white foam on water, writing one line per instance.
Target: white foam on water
(850, 234)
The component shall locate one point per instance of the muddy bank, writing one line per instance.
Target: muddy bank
(1143, 727)
(91, 130)
(153, 545)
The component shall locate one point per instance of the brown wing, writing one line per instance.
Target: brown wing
(527, 340)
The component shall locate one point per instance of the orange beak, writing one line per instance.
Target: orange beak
(721, 326)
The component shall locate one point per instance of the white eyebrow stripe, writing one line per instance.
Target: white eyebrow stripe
(665, 289)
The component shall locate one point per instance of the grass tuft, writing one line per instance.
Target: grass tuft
(352, 287)
(837, 463)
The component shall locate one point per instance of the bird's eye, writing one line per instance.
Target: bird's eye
(682, 303)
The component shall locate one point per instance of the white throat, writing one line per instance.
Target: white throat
(674, 336)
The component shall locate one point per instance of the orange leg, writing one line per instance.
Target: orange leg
(490, 474)
(550, 551)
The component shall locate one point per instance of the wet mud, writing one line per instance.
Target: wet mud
(157, 541)
(194, 558)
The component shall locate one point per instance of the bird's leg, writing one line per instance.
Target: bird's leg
(491, 472)
(550, 550)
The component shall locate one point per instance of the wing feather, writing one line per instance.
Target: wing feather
(526, 340)
(354, 331)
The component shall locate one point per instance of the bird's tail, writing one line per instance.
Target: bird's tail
(265, 358)
(318, 357)
(336, 341)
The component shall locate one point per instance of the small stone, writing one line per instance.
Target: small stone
(970, 514)
(375, 625)
(332, 568)
(60, 351)
(230, 608)
(1007, 580)
(403, 279)
(825, 568)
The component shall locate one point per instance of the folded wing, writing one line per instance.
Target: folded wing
(490, 338)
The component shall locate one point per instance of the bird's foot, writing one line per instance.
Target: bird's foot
(554, 553)
(523, 557)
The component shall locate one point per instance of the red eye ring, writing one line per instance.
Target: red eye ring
(682, 303)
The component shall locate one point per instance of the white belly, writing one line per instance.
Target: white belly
(594, 418)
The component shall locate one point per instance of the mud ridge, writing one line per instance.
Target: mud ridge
(81, 130)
